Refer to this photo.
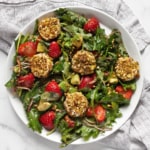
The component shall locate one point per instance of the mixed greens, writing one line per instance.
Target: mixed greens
(104, 91)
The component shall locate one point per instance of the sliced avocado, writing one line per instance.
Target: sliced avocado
(77, 41)
(41, 48)
(75, 80)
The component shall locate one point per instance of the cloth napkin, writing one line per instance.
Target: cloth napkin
(135, 133)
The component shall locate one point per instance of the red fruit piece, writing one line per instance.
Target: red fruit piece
(87, 81)
(128, 94)
(99, 113)
(27, 49)
(54, 50)
(90, 112)
(47, 120)
(26, 80)
(52, 86)
(91, 25)
(119, 89)
(125, 93)
(69, 121)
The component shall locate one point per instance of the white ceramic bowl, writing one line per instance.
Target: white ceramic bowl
(108, 23)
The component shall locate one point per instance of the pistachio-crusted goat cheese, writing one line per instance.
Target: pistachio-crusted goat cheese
(49, 28)
(76, 104)
(41, 65)
(127, 68)
(84, 62)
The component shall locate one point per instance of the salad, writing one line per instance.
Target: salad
(72, 77)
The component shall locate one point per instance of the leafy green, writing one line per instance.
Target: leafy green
(129, 85)
(69, 34)
(62, 65)
(33, 117)
(88, 132)
(113, 112)
(68, 135)
(114, 97)
(58, 118)
(70, 17)
(32, 96)
(35, 31)
(94, 96)
(97, 42)
(115, 43)
(12, 82)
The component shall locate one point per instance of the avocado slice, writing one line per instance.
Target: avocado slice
(41, 48)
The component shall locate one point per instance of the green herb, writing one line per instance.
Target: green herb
(33, 117)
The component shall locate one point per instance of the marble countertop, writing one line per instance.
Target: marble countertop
(14, 135)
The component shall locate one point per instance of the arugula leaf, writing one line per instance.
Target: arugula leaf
(94, 96)
(12, 82)
(68, 135)
(115, 43)
(33, 117)
(113, 112)
(58, 118)
(129, 85)
(35, 31)
(32, 95)
(70, 17)
(100, 76)
(97, 42)
(62, 66)
(114, 97)
(72, 37)
(88, 132)
(58, 66)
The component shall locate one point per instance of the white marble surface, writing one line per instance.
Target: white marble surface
(14, 135)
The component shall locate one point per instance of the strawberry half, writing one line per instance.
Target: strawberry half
(69, 121)
(90, 112)
(47, 120)
(52, 86)
(125, 93)
(26, 80)
(91, 25)
(54, 50)
(27, 49)
(87, 81)
(99, 113)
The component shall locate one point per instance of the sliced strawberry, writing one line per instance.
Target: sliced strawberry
(52, 86)
(90, 112)
(91, 25)
(54, 50)
(128, 94)
(99, 113)
(26, 80)
(27, 49)
(125, 93)
(87, 81)
(69, 121)
(119, 89)
(47, 120)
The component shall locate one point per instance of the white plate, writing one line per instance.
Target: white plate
(108, 23)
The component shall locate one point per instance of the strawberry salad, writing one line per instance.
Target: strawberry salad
(71, 77)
